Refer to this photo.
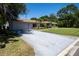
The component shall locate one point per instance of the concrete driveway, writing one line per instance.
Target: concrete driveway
(47, 44)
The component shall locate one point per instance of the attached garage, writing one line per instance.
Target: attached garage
(21, 25)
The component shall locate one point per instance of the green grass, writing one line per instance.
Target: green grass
(17, 47)
(63, 31)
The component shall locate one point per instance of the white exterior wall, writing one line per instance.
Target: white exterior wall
(20, 25)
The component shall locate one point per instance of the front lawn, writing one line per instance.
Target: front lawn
(63, 31)
(17, 47)
(12, 45)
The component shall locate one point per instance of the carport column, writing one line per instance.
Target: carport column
(45, 25)
(38, 25)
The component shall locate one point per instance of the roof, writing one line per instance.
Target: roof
(28, 21)
(34, 21)
(48, 22)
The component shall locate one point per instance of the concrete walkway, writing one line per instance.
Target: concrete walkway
(47, 44)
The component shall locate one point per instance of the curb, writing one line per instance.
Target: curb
(65, 51)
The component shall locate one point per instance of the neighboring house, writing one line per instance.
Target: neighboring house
(26, 24)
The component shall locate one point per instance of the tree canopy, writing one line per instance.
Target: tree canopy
(68, 16)
(34, 18)
(10, 11)
(44, 18)
(52, 18)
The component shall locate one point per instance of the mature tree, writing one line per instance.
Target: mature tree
(52, 18)
(69, 9)
(76, 24)
(34, 18)
(67, 15)
(44, 18)
(9, 11)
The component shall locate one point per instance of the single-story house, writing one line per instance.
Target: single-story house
(21, 25)
(26, 24)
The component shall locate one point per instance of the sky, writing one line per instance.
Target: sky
(40, 9)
